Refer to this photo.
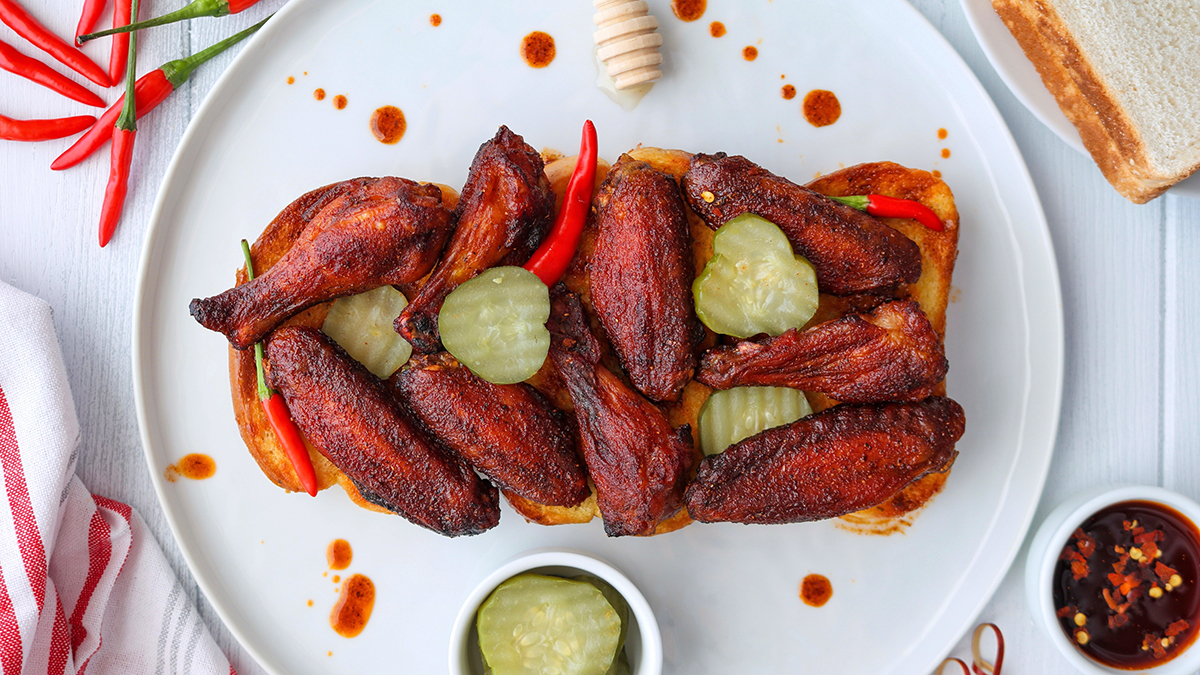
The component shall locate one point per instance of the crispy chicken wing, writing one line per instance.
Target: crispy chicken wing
(350, 417)
(891, 354)
(505, 209)
(638, 463)
(509, 432)
(851, 251)
(389, 232)
(641, 278)
(839, 461)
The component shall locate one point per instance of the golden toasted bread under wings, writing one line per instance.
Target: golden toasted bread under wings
(641, 277)
(830, 464)
(889, 354)
(388, 232)
(850, 251)
(357, 425)
(505, 209)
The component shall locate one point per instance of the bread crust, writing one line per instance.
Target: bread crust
(1108, 133)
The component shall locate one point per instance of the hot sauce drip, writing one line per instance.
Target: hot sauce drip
(942, 133)
(339, 554)
(750, 53)
(945, 153)
(821, 108)
(435, 20)
(1125, 585)
(537, 49)
(689, 10)
(194, 466)
(788, 92)
(815, 590)
(319, 94)
(716, 29)
(388, 124)
(339, 102)
(353, 608)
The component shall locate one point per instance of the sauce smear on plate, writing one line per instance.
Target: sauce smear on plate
(353, 609)
(689, 10)
(339, 554)
(815, 590)
(537, 49)
(194, 466)
(821, 107)
(388, 124)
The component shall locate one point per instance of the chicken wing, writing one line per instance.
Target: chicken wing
(350, 417)
(505, 209)
(638, 463)
(390, 232)
(839, 461)
(641, 278)
(509, 432)
(851, 251)
(891, 354)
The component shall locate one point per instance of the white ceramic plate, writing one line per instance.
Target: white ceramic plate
(725, 595)
(1022, 79)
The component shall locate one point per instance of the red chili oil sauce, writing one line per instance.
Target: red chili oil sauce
(339, 102)
(815, 590)
(1107, 578)
(716, 29)
(194, 466)
(537, 49)
(319, 94)
(353, 608)
(750, 53)
(339, 554)
(388, 124)
(788, 92)
(689, 10)
(435, 20)
(821, 108)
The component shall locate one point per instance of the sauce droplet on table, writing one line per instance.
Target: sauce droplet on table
(716, 29)
(353, 608)
(689, 10)
(339, 102)
(945, 153)
(339, 554)
(942, 133)
(821, 108)
(194, 466)
(788, 92)
(750, 53)
(815, 590)
(537, 49)
(388, 124)
(319, 94)
(435, 20)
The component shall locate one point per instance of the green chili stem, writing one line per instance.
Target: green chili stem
(179, 70)
(860, 202)
(264, 392)
(128, 119)
(193, 10)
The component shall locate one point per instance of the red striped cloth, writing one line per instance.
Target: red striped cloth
(83, 585)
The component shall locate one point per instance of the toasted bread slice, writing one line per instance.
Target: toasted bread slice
(1126, 75)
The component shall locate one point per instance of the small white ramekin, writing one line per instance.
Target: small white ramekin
(1047, 545)
(643, 642)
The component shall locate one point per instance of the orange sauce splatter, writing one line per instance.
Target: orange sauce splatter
(945, 153)
(689, 10)
(339, 554)
(937, 174)
(388, 124)
(194, 466)
(435, 20)
(336, 578)
(750, 53)
(339, 102)
(821, 108)
(942, 133)
(815, 590)
(537, 49)
(788, 92)
(353, 608)
(310, 603)
(319, 94)
(291, 80)
(716, 29)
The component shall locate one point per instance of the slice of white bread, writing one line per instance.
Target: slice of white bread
(1127, 74)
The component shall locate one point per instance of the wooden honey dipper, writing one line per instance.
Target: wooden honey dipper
(626, 41)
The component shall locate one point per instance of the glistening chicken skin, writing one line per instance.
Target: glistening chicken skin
(505, 210)
(641, 278)
(509, 432)
(890, 354)
(839, 461)
(390, 232)
(349, 416)
(638, 463)
(850, 251)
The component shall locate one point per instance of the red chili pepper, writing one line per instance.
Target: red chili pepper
(151, 89)
(23, 24)
(890, 207)
(551, 259)
(277, 413)
(193, 10)
(92, 9)
(123, 15)
(31, 69)
(123, 135)
(42, 130)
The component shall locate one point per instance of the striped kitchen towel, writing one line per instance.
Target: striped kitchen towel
(83, 585)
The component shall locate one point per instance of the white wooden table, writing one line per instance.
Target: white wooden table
(1130, 276)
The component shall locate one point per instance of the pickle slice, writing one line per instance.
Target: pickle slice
(733, 415)
(536, 624)
(754, 283)
(495, 324)
(362, 325)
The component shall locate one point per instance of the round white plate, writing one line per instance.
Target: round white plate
(1022, 79)
(726, 595)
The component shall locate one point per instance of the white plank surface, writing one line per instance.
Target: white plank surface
(1129, 273)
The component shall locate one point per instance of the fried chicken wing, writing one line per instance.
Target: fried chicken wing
(509, 432)
(350, 417)
(641, 278)
(505, 209)
(839, 461)
(890, 354)
(851, 251)
(638, 463)
(389, 232)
